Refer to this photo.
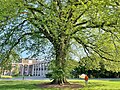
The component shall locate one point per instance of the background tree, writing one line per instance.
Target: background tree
(60, 22)
(6, 65)
(15, 72)
(97, 67)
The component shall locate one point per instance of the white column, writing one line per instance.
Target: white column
(33, 70)
(46, 68)
(28, 70)
(40, 69)
(43, 70)
(22, 69)
(37, 69)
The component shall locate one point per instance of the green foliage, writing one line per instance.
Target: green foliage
(15, 72)
(97, 67)
(9, 10)
(5, 77)
(55, 72)
(94, 24)
(70, 66)
(90, 64)
(6, 64)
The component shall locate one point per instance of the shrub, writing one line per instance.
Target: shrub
(6, 77)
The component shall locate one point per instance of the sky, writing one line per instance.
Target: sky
(80, 54)
(24, 55)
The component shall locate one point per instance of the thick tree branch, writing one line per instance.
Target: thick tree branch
(11, 33)
(70, 14)
(36, 10)
(79, 16)
(18, 41)
(78, 24)
(85, 46)
(43, 5)
(93, 26)
(49, 34)
(82, 13)
(77, 2)
(111, 33)
(22, 36)
(96, 47)
(114, 44)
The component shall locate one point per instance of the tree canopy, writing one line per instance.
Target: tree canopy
(94, 24)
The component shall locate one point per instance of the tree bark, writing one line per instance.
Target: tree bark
(61, 49)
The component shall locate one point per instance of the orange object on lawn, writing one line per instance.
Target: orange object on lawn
(86, 78)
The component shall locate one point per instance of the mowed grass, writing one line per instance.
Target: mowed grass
(32, 85)
(100, 84)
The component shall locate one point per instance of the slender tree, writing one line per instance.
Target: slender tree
(60, 22)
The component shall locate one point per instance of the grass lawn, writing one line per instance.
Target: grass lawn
(101, 84)
(31, 85)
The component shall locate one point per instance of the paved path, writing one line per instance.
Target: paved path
(98, 79)
(27, 78)
(42, 78)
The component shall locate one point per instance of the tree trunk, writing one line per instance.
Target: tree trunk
(61, 49)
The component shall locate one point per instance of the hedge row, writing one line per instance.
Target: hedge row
(5, 77)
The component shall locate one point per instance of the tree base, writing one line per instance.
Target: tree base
(72, 86)
(60, 81)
